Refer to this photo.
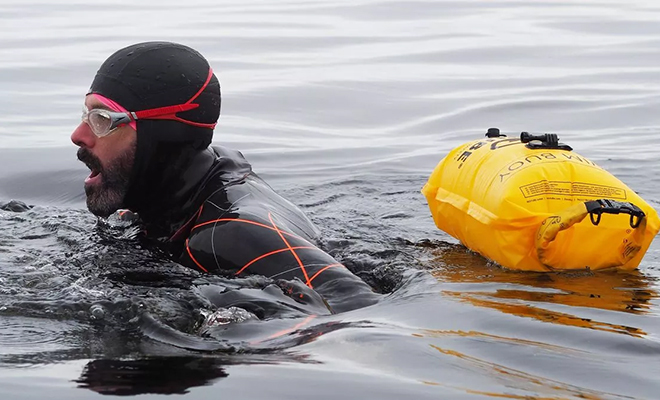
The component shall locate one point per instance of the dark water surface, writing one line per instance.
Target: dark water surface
(344, 107)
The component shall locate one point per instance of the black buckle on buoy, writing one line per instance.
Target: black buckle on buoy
(545, 141)
(597, 208)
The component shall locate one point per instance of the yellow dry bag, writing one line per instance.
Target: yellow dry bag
(531, 203)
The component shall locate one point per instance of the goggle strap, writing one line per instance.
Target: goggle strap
(169, 112)
(206, 83)
(172, 117)
(198, 124)
(163, 111)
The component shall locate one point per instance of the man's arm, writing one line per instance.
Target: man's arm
(252, 245)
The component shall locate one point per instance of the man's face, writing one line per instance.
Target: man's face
(110, 159)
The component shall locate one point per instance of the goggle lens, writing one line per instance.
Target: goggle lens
(98, 120)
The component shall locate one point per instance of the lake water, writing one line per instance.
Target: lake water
(345, 107)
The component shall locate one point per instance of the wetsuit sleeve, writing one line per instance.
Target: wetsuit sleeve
(250, 245)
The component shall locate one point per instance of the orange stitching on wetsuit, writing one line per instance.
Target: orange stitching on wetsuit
(193, 258)
(269, 254)
(247, 221)
(302, 266)
(281, 233)
(324, 268)
(183, 227)
(289, 330)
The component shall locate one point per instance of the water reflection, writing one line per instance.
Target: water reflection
(560, 298)
(154, 375)
(521, 380)
(169, 374)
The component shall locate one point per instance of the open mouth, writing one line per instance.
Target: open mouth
(93, 164)
(93, 176)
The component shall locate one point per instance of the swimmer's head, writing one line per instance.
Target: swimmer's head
(147, 105)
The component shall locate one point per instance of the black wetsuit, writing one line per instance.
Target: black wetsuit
(229, 221)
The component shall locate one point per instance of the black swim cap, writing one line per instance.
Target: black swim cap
(159, 74)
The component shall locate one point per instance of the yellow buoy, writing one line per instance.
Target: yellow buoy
(531, 203)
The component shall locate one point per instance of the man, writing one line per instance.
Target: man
(146, 130)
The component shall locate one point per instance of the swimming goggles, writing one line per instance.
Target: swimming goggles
(104, 122)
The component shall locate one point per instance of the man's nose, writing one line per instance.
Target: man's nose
(83, 136)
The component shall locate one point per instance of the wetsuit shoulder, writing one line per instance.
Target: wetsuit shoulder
(247, 228)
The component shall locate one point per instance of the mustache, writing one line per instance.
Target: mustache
(89, 159)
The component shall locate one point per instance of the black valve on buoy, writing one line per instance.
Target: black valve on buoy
(544, 141)
(494, 133)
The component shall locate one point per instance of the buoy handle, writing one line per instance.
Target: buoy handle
(597, 208)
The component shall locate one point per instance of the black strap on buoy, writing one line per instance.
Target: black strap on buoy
(597, 208)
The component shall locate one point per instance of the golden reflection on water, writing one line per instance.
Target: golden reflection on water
(533, 382)
(531, 294)
(514, 379)
(433, 333)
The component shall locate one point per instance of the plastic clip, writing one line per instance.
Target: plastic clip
(597, 208)
(545, 141)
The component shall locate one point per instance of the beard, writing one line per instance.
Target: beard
(107, 197)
